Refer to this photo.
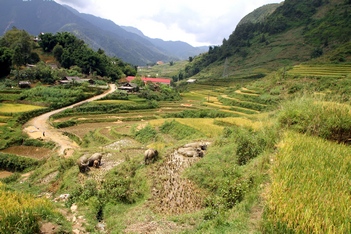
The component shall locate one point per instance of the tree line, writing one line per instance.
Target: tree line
(18, 48)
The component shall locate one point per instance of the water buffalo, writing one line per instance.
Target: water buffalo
(201, 145)
(83, 164)
(95, 157)
(191, 152)
(96, 164)
(150, 155)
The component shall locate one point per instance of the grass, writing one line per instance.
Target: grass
(204, 125)
(310, 187)
(327, 70)
(21, 213)
(310, 176)
(17, 108)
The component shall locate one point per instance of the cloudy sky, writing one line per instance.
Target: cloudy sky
(195, 22)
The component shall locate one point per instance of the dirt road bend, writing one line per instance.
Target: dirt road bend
(39, 127)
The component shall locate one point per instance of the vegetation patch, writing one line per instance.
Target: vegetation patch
(22, 213)
(15, 163)
(16, 108)
(310, 187)
(178, 131)
(329, 120)
(28, 151)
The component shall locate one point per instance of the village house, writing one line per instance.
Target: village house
(129, 87)
(190, 81)
(24, 84)
(75, 80)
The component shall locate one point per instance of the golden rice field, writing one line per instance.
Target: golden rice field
(16, 108)
(310, 191)
(244, 122)
(321, 70)
(19, 211)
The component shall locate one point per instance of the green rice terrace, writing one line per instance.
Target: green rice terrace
(275, 157)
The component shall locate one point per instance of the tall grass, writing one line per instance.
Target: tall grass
(21, 213)
(328, 120)
(310, 191)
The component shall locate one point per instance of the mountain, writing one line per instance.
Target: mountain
(295, 32)
(260, 14)
(36, 16)
(179, 49)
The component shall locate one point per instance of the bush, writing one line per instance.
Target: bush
(22, 213)
(123, 184)
(177, 130)
(251, 143)
(328, 120)
(144, 135)
(16, 163)
(65, 124)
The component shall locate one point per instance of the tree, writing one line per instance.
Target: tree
(21, 43)
(5, 61)
(47, 41)
(58, 51)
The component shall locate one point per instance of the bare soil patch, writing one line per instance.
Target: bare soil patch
(29, 151)
(4, 174)
(82, 129)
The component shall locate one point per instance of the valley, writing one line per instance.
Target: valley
(252, 136)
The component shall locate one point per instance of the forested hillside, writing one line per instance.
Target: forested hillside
(295, 32)
(17, 49)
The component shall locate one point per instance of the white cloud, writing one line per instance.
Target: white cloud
(198, 23)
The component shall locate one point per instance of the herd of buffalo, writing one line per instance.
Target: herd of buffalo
(195, 149)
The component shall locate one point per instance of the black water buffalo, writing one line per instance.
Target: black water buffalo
(95, 157)
(83, 164)
(150, 155)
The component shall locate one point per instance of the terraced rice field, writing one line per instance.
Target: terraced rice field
(29, 151)
(199, 97)
(320, 70)
(15, 108)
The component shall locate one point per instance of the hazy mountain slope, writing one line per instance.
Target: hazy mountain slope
(35, 16)
(295, 32)
(38, 16)
(180, 49)
(175, 50)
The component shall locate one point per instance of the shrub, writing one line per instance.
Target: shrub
(328, 120)
(21, 213)
(16, 163)
(177, 130)
(65, 124)
(144, 135)
(123, 184)
(251, 143)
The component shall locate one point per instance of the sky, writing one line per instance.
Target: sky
(199, 23)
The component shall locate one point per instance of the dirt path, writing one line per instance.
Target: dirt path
(39, 127)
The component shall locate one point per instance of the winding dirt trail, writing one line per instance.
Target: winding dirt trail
(39, 127)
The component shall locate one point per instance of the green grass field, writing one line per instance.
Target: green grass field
(328, 70)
